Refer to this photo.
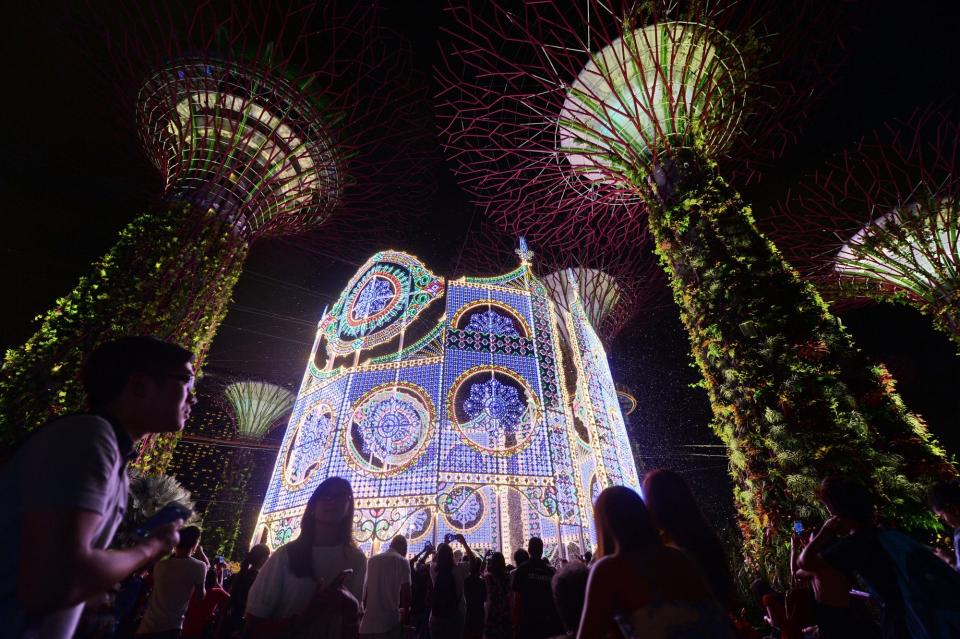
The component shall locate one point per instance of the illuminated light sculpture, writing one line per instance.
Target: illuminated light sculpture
(256, 408)
(628, 402)
(578, 123)
(247, 147)
(446, 405)
(883, 221)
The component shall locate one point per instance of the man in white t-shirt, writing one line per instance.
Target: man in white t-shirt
(386, 592)
(174, 580)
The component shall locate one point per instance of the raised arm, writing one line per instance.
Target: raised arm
(466, 546)
(810, 558)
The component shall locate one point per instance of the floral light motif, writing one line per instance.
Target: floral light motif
(375, 296)
(308, 445)
(463, 507)
(495, 407)
(490, 321)
(390, 429)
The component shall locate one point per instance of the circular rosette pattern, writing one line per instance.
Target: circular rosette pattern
(462, 507)
(391, 426)
(383, 298)
(308, 445)
(493, 409)
(376, 300)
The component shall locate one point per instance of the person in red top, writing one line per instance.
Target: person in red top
(201, 610)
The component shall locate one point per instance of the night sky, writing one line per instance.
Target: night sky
(73, 176)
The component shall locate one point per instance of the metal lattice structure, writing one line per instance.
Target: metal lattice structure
(231, 137)
(613, 287)
(263, 120)
(257, 407)
(883, 220)
(557, 114)
(281, 118)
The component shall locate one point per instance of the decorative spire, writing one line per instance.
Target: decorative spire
(524, 252)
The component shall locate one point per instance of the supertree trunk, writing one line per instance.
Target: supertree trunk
(226, 516)
(170, 275)
(792, 398)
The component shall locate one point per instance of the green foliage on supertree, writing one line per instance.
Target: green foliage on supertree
(170, 274)
(226, 513)
(792, 397)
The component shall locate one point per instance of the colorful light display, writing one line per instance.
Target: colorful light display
(247, 146)
(883, 221)
(597, 123)
(446, 405)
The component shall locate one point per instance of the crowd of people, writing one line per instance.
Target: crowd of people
(659, 569)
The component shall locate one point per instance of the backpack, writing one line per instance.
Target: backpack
(444, 599)
(930, 587)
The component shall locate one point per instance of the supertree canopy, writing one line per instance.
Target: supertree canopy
(248, 146)
(233, 138)
(597, 120)
(883, 221)
(453, 406)
(257, 406)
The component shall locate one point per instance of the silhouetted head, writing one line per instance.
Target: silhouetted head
(847, 499)
(535, 548)
(569, 590)
(399, 545)
(622, 522)
(520, 556)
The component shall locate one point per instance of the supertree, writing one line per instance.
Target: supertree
(248, 146)
(883, 220)
(567, 116)
(256, 407)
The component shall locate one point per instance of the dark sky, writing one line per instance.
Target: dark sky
(72, 176)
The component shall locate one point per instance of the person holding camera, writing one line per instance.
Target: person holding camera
(312, 586)
(66, 488)
(420, 592)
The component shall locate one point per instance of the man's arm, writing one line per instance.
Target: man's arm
(58, 566)
(811, 558)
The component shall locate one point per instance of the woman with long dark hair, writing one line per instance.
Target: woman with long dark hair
(497, 619)
(682, 525)
(311, 586)
(640, 588)
(447, 604)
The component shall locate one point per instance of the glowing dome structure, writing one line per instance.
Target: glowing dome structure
(448, 406)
